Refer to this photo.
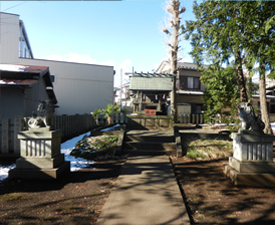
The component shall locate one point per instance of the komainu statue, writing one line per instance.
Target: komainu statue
(43, 116)
(249, 119)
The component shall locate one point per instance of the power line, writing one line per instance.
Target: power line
(14, 6)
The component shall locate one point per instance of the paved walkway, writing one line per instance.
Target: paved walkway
(145, 193)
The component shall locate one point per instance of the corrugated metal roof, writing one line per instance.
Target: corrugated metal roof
(150, 83)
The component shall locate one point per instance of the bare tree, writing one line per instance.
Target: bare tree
(174, 10)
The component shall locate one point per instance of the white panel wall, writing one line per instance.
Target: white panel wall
(79, 88)
(9, 39)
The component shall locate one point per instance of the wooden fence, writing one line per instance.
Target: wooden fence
(71, 126)
(116, 118)
(191, 118)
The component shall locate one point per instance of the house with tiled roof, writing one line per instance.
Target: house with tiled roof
(189, 87)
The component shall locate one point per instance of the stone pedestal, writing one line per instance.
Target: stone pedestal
(252, 162)
(40, 155)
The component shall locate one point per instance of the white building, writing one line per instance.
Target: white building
(79, 88)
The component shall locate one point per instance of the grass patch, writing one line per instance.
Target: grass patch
(208, 149)
(91, 147)
(12, 197)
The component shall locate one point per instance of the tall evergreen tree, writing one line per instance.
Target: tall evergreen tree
(240, 30)
(258, 39)
(211, 39)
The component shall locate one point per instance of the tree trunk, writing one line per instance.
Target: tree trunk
(174, 55)
(240, 77)
(264, 111)
(173, 100)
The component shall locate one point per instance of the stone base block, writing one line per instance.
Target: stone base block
(38, 173)
(33, 163)
(250, 179)
(251, 166)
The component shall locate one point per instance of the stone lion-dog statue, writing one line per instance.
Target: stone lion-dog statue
(44, 115)
(249, 119)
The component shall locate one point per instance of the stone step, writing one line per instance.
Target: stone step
(140, 138)
(138, 152)
(150, 145)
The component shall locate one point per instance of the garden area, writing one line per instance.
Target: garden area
(210, 197)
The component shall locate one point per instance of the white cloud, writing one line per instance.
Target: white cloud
(124, 67)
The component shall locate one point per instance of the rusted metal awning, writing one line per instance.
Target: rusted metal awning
(23, 68)
(11, 71)
(12, 75)
(17, 82)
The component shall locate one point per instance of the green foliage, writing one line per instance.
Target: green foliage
(221, 95)
(110, 109)
(97, 112)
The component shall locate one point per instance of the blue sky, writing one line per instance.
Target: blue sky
(123, 34)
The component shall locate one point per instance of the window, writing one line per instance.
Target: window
(193, 82)
(52, 78)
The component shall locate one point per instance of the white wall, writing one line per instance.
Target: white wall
(9, 39)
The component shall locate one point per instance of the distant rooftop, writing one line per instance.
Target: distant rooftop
(150, 81)
(165, 66)
(156, 75)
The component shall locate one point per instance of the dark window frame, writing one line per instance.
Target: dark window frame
(195, 85)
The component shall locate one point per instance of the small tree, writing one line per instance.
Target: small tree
(221, 95)
(108, 111)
